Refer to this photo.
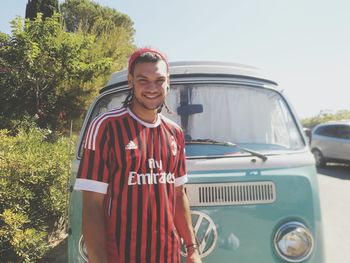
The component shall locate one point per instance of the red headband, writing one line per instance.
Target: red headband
(141, 51)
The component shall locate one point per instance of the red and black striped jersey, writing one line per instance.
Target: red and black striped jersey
(137, 165)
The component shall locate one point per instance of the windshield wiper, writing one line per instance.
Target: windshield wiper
(210, 141)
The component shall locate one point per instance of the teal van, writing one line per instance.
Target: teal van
(252, 186)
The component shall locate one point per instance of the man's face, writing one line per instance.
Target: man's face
(149, 81)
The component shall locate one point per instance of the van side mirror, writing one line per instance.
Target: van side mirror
(189, 109)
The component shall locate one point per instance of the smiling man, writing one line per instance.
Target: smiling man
(132, 175)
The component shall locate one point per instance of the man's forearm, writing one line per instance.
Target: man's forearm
(94, 230)
(182, 220)
(183, 224)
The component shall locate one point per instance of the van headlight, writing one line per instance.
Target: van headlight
(294, 242)
(82, 249)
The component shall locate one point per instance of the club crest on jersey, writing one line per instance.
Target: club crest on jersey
(131, 146)
(173, 146)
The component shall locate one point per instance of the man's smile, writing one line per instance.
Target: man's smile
(154, 96)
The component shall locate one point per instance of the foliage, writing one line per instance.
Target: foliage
(324, 116)
(47, 72)
(114, 31)
(33, 185)
(46, 7)
(51, 75)
(48, 76)
(92, 18)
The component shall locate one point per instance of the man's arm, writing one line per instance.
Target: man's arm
(183, 224)
(94, 229)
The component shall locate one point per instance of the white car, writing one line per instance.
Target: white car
(330, 142)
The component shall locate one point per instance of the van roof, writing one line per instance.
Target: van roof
(198, 69)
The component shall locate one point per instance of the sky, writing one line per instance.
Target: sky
(303, 45)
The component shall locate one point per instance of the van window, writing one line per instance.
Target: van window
(254, 117)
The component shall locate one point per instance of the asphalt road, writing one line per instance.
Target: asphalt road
(334, 183)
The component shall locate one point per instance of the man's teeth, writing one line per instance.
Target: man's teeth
(151, 97)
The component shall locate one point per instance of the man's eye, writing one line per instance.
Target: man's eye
(160, 81)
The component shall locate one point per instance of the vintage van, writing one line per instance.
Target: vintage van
(253, 186)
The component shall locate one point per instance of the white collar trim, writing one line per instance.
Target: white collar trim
(147, 124)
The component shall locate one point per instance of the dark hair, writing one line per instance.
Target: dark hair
(145, 57)
(149, 57)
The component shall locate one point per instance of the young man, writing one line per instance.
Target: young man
(132, 175)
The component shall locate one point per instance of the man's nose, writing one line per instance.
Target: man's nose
(152, 87)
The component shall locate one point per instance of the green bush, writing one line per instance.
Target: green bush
(324, 116)
(34, 167)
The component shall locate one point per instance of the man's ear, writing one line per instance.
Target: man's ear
(168, 79)
(130, 80)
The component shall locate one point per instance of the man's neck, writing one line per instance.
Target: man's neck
(149, 116)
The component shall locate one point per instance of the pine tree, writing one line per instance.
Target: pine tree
(30, 9)
(46, 7)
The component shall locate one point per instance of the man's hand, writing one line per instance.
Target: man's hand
(193, 257)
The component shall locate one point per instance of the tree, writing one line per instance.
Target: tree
(325, 116)
(46, 7)
(92, 18)
(114, 31)
(47, 72)
(52, 75)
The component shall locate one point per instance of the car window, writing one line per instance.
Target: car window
(334, 131)
(329, 131)
(343, 131)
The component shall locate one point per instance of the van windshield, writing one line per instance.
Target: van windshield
(251, 117)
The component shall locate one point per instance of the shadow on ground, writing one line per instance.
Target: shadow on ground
(340, 171)
(58, 254)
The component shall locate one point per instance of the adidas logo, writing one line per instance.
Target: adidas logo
(131, 146)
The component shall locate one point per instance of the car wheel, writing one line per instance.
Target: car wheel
(318, 158)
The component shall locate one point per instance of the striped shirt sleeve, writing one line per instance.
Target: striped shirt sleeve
(93, 172)
(181, 176)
